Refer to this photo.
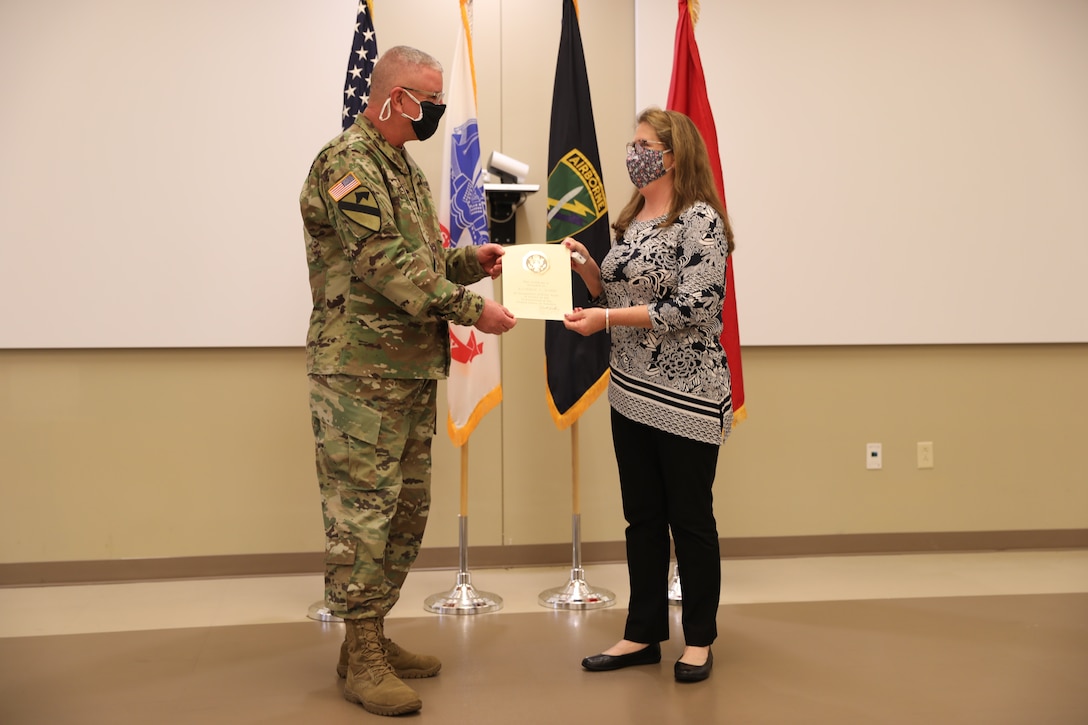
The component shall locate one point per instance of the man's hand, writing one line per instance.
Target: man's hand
(495, 319)
(490, 258)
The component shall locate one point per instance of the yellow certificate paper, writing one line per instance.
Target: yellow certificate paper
(536, 281)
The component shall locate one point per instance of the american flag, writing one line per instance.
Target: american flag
(341, 188)
(364, 51)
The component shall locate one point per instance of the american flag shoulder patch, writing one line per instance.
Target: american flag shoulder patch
(341, 188)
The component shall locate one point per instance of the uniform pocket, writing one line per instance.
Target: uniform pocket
(340, 551)
(344, 413)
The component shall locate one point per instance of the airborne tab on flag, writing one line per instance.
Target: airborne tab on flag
(583, 203)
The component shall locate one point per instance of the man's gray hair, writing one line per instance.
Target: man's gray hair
(395, 66)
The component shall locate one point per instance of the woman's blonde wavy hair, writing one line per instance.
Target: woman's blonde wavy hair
(692, 177)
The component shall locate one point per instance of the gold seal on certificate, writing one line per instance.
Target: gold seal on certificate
(536, 281)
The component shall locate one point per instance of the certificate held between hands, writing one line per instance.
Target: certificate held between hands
(537, 281)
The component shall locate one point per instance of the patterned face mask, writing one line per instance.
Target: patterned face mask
(645, 165)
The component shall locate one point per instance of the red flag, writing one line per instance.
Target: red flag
(687, 94)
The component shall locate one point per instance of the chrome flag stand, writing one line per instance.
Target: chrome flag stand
(576, 594)
(320, 612)
(463, 598)
(676, 595)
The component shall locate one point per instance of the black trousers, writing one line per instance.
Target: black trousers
(666, 484)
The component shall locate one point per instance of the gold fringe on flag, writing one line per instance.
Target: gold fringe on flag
(693, 11)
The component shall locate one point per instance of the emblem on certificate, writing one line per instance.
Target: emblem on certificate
(536, 281)
(536, 263)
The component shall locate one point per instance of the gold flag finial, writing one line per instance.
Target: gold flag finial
(693, 11)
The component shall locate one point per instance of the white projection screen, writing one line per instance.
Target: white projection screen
(897, 172)
(153, 154)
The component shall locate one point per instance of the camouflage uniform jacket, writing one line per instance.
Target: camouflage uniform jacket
(384, 288)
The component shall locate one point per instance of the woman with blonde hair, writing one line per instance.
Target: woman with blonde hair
(659, 293)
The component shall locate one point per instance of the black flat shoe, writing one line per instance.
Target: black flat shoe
(648, 655)
(683, 672)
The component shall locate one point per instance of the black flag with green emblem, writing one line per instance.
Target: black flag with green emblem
(577, 366)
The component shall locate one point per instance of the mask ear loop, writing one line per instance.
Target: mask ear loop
(387, 109)
(420, 118)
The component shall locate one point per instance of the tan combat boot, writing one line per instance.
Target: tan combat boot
(407, 665)
(371, 681)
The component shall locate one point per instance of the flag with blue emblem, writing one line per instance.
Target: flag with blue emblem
(364, 51)
(474, 386)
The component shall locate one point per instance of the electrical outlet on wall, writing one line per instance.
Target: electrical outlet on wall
(925, 454)
(874, 456)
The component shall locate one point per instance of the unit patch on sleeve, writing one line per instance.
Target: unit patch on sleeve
(360, 207)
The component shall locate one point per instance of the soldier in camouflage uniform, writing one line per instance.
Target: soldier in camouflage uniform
(384, 291)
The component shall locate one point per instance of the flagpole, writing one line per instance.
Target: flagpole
(575, 476)
(463, 598)
(576, 593)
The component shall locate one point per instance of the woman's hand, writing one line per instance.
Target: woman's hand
(584, 264)
(579, 255)
(585, 321)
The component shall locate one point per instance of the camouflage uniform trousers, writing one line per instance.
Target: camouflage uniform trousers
(373, 445)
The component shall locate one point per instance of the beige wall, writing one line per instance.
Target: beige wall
(141, 454)
(110, 454)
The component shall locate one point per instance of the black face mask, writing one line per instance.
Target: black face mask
(427, 123)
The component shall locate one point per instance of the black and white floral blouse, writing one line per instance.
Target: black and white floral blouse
(674, 376)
